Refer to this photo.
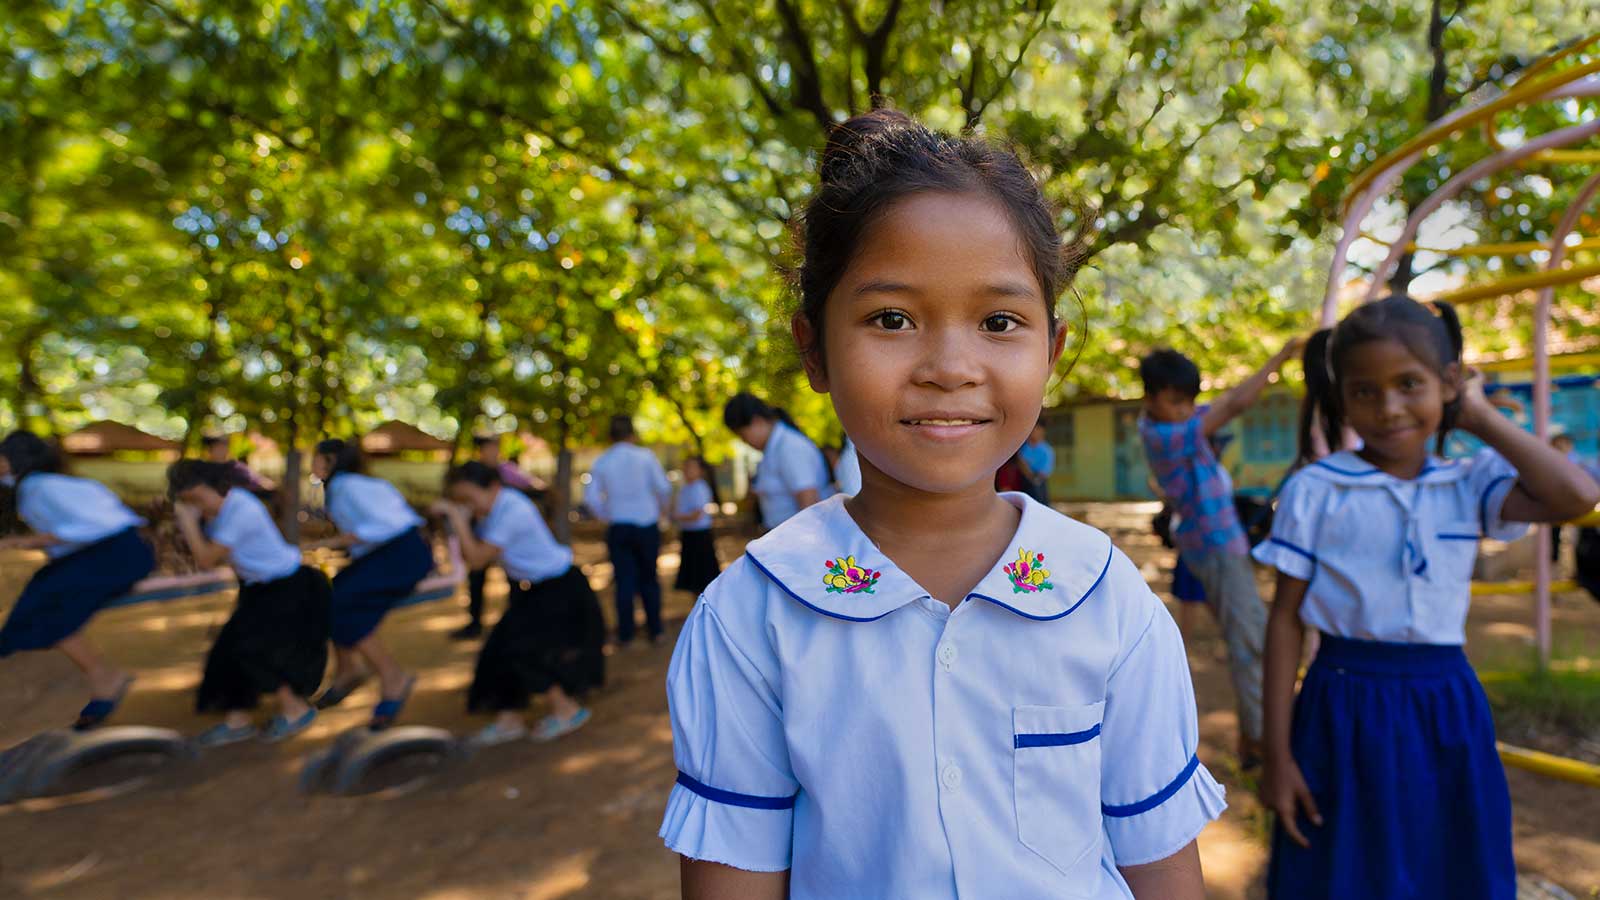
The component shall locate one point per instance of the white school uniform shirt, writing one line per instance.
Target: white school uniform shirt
(528, 551)
(256, 549)
(77, 512)
(831, 718)
(847, 473)
(627, 486)
(1387, 559)
(694, 497)
(790, 463)
(370, 508)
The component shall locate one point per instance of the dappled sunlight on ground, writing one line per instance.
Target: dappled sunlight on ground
(576, 818)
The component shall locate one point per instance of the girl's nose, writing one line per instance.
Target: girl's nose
(950, 359)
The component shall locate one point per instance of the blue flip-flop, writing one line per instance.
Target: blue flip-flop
(99, 709)
(384, 714)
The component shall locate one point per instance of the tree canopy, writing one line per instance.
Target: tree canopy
(305, 217)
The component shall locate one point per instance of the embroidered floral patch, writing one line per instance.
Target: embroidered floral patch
(1028, 574)
(845, 577)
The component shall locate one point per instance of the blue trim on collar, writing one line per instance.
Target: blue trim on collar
(1321, 464)
(1067, 739)
(1483, 502)
(1297, 549)
(1111, 551)
(731, 798)
(802, 601)
(1156, 799)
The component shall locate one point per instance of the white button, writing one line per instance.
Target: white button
(951, 776)
(947, 655)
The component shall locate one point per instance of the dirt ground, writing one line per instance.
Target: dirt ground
(577, 818)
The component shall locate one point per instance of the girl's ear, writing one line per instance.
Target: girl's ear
(1058, 344)
(809, 340)
(1451, 391)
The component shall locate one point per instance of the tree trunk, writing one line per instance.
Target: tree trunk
(1439, 103)
(561, 491)
(289, 496)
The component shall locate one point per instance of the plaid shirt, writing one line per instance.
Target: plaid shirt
(1196, 485)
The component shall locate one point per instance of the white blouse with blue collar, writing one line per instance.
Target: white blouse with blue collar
(370, 508)
(1388, 559)
(831, 718)
(77, 512)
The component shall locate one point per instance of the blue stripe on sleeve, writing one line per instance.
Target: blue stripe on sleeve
(1156, 799)
(730, 798)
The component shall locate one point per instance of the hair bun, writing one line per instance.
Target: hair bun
(853, 138)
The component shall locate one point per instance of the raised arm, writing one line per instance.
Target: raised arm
(208, 554)
(1550, 487)
(1232, 404)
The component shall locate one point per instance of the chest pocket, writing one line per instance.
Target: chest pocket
(1056, 782)
(1455, 549)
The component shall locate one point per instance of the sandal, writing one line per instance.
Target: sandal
(281, 728)
(222, 734)
(99, 709)
(551, 727)
(387, 710)
(337, 691)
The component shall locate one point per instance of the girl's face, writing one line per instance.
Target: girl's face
(204, 498)
(937, 343)
(692, 472)
(757, 433)
(322, 466)
(5, 467)
(478, 499)
(1395, 401)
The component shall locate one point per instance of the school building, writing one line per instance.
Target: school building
(1099, 455)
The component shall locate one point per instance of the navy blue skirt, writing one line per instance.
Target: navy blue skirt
(1397, 745)
(366, 589)
(64, 595)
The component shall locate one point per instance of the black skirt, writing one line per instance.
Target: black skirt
(552, 634)
(278, 635)
(697, 564)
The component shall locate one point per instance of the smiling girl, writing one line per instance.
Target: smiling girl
(931, 689)
(1385, 780)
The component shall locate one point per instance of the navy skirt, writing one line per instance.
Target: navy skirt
(64, 595)
(277, 635)
(370, 586)
(1396, 743)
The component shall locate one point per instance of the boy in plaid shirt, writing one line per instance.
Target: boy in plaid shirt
(1210, 539)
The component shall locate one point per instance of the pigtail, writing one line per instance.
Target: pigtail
(1452, 328)
(1319, 406)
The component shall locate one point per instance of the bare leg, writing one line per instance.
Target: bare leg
(290, 704)
(104, 679)
(237, 718)
(347, 665)
(562, 706)
(510, 720)
(390, 675)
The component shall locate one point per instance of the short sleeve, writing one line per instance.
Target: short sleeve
(503, 526)
(232, 526)
(1488, 484)
(1155, 795)
(800, 466)
(1291, 549)
(734, 799)
(658, 479)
